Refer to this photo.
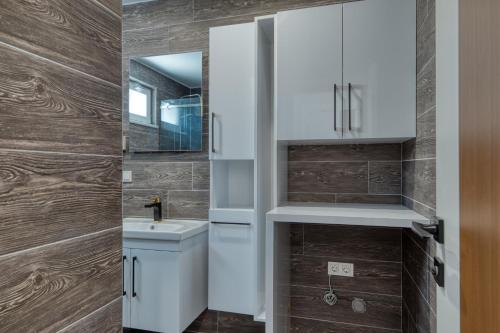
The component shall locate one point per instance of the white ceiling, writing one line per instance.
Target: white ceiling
(185, 68)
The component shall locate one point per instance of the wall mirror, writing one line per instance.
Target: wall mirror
(165, 104)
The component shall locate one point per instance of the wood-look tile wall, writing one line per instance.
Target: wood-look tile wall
(60, 166)
(174, 26)
(419, 182)
(376, 255)
(345, 173)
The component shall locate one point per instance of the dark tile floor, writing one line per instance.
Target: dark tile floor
(218, 322)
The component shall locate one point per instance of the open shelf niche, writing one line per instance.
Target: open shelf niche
(233, 184)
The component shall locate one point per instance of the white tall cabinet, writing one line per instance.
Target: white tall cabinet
(232, 230)
(241, 118)
(367, 50)
(232, 97)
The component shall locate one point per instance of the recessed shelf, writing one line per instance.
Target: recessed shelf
(233, 184)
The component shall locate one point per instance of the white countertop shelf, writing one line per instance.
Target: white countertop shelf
(373, 215)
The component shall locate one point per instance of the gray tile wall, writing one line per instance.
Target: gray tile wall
(60, 166)
(419, 182)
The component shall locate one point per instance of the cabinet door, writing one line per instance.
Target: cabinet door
(231, 273)
(379, 63)
(154, 301)
(309, 65)
(126, 287)
(232, 91)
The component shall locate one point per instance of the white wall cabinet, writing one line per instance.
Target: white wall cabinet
(365, 47)
(379, 63)
(232, 272)
(309, 68)
(232, 92)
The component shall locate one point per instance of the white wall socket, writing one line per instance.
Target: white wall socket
(127, 176)
(340, 269)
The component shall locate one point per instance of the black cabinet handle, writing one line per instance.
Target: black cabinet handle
(213, 133)
(231, 223)
(335, 107)
(123, 275)
(350, 90)
(134, 259)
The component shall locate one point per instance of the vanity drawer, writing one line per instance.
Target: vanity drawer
(231, 267)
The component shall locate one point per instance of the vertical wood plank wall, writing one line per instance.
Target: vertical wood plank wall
(60, 166)
(479, 165)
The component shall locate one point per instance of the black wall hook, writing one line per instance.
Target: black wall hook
(434, 230)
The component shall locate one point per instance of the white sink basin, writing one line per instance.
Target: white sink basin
(175, 230)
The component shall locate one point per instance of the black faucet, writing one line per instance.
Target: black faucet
(156, 204)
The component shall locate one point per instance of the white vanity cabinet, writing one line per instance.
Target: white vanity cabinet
(127, 259)
(232, 92)
(164, 277)
(368, 49)
(153, 294)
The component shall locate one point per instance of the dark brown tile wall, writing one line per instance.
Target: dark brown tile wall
(376, 255)
(419, 182)
(60, 166)
(173, 26)
(345, 173)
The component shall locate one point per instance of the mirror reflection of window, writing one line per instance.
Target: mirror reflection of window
(141, 103)
(165, 103)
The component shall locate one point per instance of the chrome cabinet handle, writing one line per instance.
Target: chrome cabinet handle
(213, 133)
(350, 108)
(335, 107)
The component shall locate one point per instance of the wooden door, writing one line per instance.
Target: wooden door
(480, 165)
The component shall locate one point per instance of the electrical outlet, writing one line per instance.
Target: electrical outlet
(341, 269)
(127, 176)
(333, 268)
